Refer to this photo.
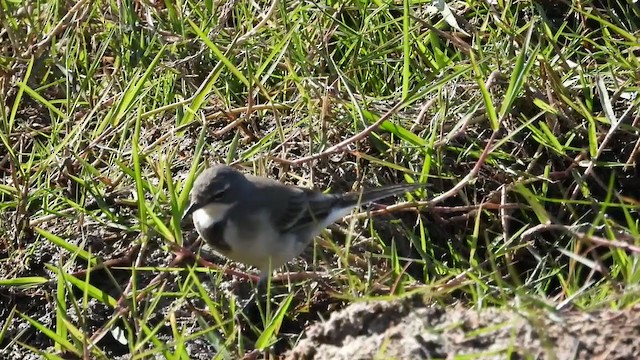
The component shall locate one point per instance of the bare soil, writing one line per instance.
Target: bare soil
(414, 329)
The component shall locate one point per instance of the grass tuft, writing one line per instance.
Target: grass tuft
(522, 118)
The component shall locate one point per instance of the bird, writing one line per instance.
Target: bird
(264, 223)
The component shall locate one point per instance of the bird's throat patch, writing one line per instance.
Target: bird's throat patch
(214, 236)
(210, 222)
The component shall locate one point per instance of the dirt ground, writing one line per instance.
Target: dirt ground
(413, 329)
(416, 327)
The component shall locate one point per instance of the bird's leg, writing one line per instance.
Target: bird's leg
(253, 317)
(264, 282)
(257, 306)
(263, 291)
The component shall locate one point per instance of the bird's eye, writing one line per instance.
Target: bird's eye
(217, 196)
(219, 192)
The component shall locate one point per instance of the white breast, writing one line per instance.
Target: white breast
(264, 247)
(208, 215)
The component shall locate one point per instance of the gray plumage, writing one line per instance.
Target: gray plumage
(262, 222)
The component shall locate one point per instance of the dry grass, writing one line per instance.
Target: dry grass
(522, 118)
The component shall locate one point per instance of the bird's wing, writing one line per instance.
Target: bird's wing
(304, 208)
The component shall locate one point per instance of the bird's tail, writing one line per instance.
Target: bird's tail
(340, 205)
(367, 196)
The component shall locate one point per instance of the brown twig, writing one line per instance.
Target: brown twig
(342, 145)
(60, 27)
(596, 240)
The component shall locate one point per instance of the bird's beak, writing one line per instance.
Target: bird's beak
(192, 207)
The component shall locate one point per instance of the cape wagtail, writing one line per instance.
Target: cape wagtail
(264, 223)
